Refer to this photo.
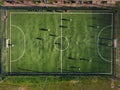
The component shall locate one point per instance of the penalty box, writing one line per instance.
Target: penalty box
(62, 60)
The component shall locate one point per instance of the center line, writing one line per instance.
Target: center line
(61, 44)
(10, 43)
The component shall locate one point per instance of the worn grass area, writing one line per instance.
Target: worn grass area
(85, 40)
(56, 83)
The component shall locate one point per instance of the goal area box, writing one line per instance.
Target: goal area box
(57, 42)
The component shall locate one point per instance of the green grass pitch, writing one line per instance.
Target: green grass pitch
(60, 42)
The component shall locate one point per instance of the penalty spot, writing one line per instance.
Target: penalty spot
(10, 45)
(13, 45)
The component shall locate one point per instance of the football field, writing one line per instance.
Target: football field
(55, 42)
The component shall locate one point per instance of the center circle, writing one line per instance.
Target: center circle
(61, 43)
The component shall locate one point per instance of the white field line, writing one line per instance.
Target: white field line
(61, 43)
(112, 43)
(61, 22)
(54, 13)
(98, 44)
(6, 30)
(10, 42)
(24, 43)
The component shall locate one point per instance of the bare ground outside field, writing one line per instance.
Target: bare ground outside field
(59, 3)
(82, 84)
